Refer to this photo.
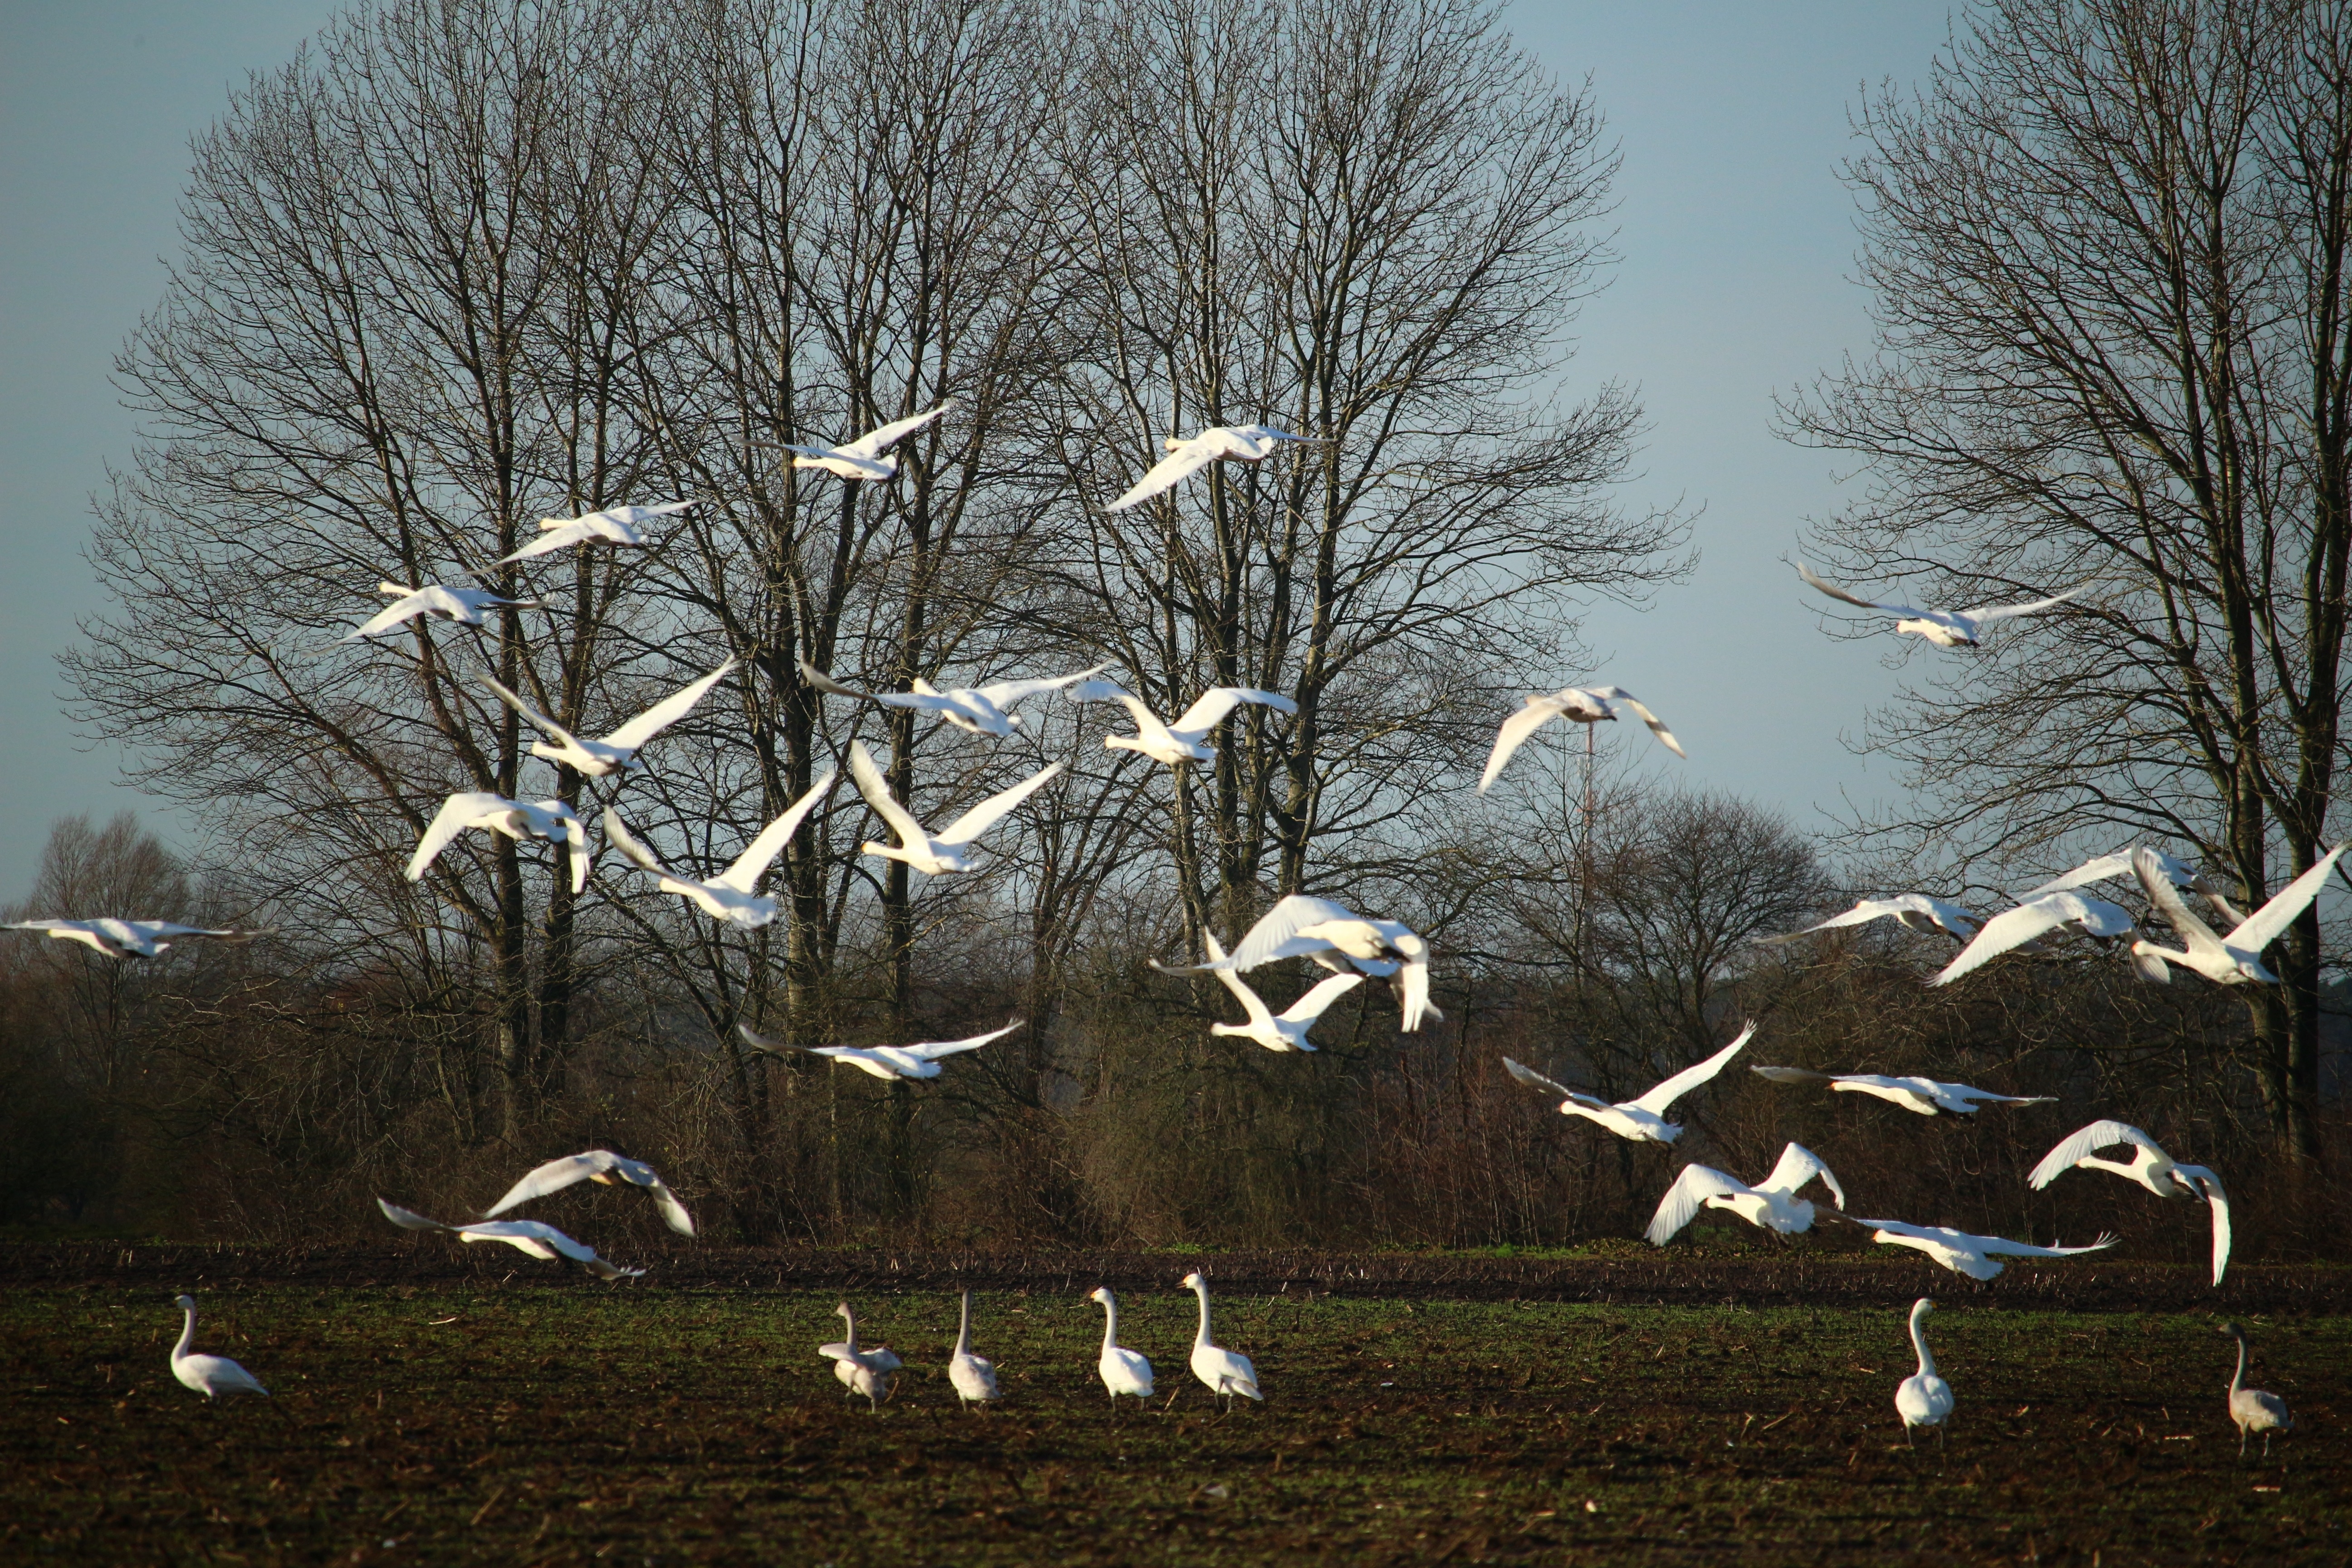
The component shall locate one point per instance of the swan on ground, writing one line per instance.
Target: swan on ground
(1241, 443)
(2254, 1409)
(2149, 1165)
(728, 896)
(128, 938)
(1283, 1031)
(603, 1166)
(864, 458)
(463, 606)
(1187, 738)
(1924, 1398)
(528, 1235)
(919, 1060)
(548, 819)
(1339, 939)
(1584, 705)
(1927, 1096)
(618, 749)
(944, 851)
(2036, 918)
(1945, 628)
(1123, 1370)
(2231, 960)
(213, 1375)
(1643, 1120)
(1226, 1372)
(1916, 911)
(1963, 1252)
(866, 1371)
(976, 710)
(614, 525)
(1772, 1202)
(2109, 868)
(973, 1377)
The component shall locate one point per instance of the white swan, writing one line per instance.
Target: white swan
(973, 1377)
(1945, 628)
(2035, 919)
(1916, 911)
(2231, 960)
(1643, 1120)
(1241, 443)
(614, 525)
(944, 851)
(863, 458)
(2149, 1165)
(128, 938)
(2108, 867)
(2254, 1409)
(463, 606)
(617, 750)
(866, 1371)
(1123, 1370)
(1187, 738)
(919, 1060)
(1283, 1031)
(213, 1375)
(728, 896)
(1582, 704)
(1339, 939)
(602, 1166)
(1963, 1252)
(1772, 1202)
(1225, 1371)
(1926, 1095)
(1924, 1398)
(548, 819)
(528, 1236)
(976, 710)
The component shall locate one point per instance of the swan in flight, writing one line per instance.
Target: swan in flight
(864, 459)
(2149, 1165)
(1964, 1253)
(1242, 443)
(921, 1060)
(1283, 1031)
(866, 1371)
(614, 525)
(976, 710)
(1186, 740)
(2231, 960)
(1584, 705)
(940, 853)
(1945, 628)
(2035, 919)
(543, 1241)
(1337, 938)
(1926, 1095)
(1123, 1370)
(128, 938)
(1642, 1119)
(973, 1377)
(548, 819)
(727, 896)
(1773, 1203)
(463, 606)
(213, 1375)
(600, 1165)
(618, 749)
(2252, 1409)
(1924, 1398)
(1916, 911)
(1225, 1372)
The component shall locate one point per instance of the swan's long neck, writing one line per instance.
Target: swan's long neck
(851, 1319)
(188, 1337)
(1110, 1324)
(1919, 1342)
(1202, 1290)
(2237, 1378)
(964, 1333)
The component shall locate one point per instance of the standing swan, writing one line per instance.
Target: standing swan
(213, 1375)
(860, 1372)
(1924, 1398)
(1123, 1370)
(2252, 1409)
(1225, 1371)
(973, 1377)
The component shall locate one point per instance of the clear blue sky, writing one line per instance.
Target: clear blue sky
(1737, 238)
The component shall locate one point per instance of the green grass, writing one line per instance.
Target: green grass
(576, 1423)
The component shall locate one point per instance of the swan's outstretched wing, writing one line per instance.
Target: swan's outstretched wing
(1686, 1197)
(2036, 918)
(1309, 1007)
(558, 1174)
(754, 863)
(2195, 934)
(879, 439)
(1209, 710)
(1799, 1165)
(1834, 592)
(546, 1240)
(984, 816)
(828, 685)
(1003, 694)
(1691, 1077)
(618, 832)
(531, 716)
(2086, 1141)
(2263, 926)
(1792, 1075)
(2003, 612)
(408, 1219)
(1167, 474)
(2002, 1247)
(2107, 867)
(457, 814)
(2218, 1199)
(1513, 733)
(877, 790)
(1535, 1080)
(667, 712)
(1665, 735)
(932, 1050)
(1261, 943)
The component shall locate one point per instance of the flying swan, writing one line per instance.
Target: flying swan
(618, 749)
(1283, 1031)
(976, 710)
(1964, 1253)
(128, 938)
(863, 458)
(1926, 1095)
(940, 853)
(1642, 1119)
(1945, 628)
(548, 819)
(539, 1240)
(1337, 938)
(2231, 960)
(921, 1060)
(1186, 740)
(614, 525)
(727, 896)
(1914, 911)
(1242, 443)
(2149, 1165)
(463, 606)
(1773, 1203)
(1582, 704)
(602, 1166)
(2036, 918)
